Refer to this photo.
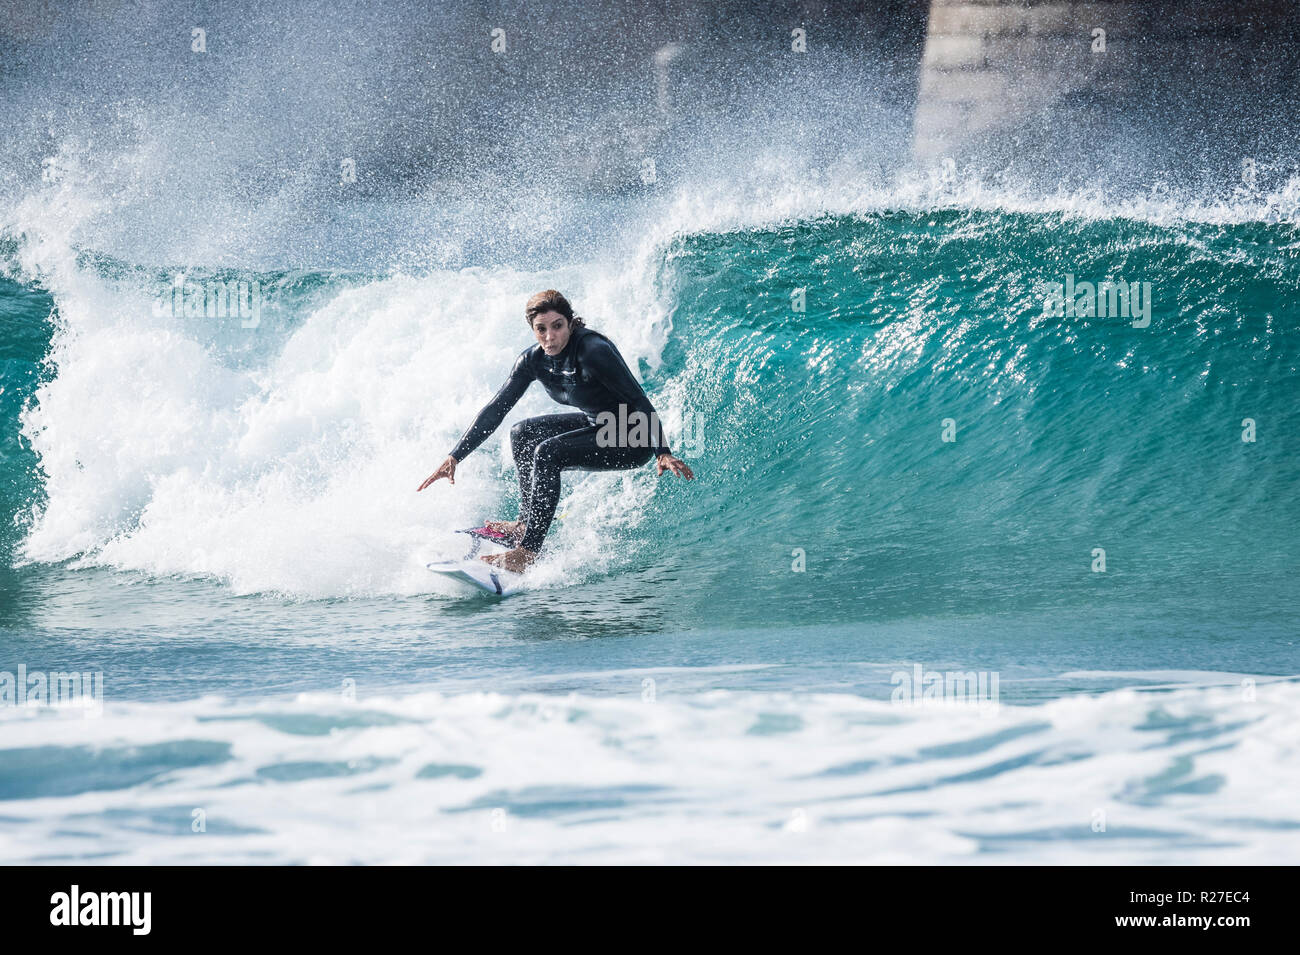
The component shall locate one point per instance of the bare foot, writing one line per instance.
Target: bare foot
(512, 529)
(516, 561)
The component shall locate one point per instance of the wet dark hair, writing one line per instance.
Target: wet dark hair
(551, 301)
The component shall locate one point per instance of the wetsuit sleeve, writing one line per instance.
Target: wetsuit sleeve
(494, 412)
(601, 360)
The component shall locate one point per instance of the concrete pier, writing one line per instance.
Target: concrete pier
(1018, 73)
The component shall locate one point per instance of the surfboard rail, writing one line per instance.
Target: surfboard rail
(478, 573)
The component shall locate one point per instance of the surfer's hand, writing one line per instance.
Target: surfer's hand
(447, 469)
(666, 462)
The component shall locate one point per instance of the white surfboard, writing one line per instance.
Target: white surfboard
(501, 583)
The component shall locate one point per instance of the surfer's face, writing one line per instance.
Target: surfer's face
(552, 331)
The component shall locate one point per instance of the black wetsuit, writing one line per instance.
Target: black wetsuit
(590, 375)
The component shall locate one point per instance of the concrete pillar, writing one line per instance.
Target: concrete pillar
(991, 67)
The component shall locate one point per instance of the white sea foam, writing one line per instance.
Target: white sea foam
(1189, 776)
(777, 189)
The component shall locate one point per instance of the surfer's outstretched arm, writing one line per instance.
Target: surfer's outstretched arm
(493, 413)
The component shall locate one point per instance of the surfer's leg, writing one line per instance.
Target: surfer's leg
(574, 450)
(524, 439)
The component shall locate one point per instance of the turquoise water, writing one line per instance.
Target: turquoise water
(223, 521)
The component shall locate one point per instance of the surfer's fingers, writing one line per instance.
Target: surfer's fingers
(440, 473)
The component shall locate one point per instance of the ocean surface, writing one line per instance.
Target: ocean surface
(907, 465)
